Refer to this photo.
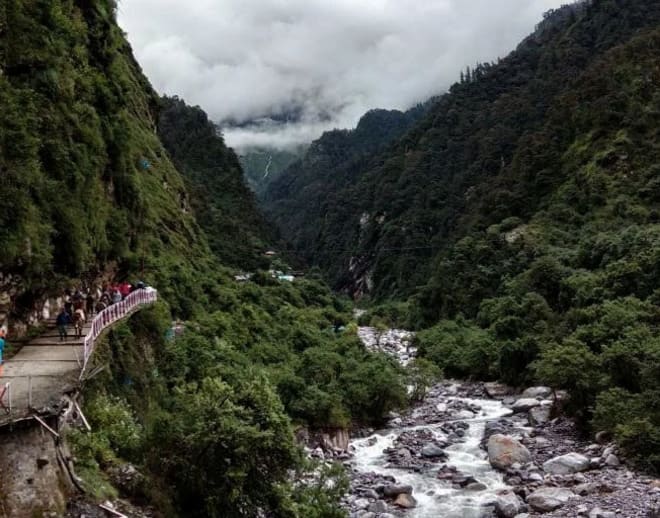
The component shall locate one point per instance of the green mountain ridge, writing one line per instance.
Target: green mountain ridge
(223, 205)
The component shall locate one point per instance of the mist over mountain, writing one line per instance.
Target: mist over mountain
(328, 62)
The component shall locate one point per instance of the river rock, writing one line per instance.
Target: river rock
(497, 390)
(378, 507)
(432, 450)
(612, 460)
(539, 415)
(507, 504)
(586, 488)
(503, 451)
(476, 486)
(464, 414)
(535, 392)
(567, 464)
(394, 490)
(548, 499)
(406, 501)
(524, 405)
(597, 512)
(603, 437)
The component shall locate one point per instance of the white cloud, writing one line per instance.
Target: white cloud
(245, 59)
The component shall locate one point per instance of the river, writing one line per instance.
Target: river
(435, 497)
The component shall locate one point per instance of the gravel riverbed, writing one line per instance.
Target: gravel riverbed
(480, 450)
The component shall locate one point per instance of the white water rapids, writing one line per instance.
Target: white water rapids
(437, 498)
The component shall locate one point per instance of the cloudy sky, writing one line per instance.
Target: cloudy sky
(327, 61)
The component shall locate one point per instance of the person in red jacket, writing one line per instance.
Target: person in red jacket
(125, 289)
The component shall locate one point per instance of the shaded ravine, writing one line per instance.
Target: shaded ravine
(435, 497)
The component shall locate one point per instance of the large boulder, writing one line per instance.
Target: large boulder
(524, 405)
(567, 464)
(394, 490)
(406, 501)
(504, 451)
(535, 392)
(539, 415)
(432, 450)
(507, 504)
(497, 390)
(548, 499)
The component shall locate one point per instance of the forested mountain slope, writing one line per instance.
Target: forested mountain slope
(378, 228)
(564, 288)
(263, 165)
(297, 200)
(222, 203)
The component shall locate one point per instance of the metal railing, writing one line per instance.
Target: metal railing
(111, 314)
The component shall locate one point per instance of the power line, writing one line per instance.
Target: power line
(387, 249)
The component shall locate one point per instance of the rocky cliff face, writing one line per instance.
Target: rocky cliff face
(33, 479)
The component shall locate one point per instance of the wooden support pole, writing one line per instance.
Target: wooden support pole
(43, 423)
(82, 416)
(112, 511)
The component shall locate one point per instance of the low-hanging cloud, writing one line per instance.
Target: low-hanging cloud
(327, 61)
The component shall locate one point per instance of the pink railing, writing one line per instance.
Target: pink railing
(111, 314)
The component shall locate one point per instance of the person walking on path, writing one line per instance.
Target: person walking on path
(89, 303)
(63, 320)
(78, 322)
(2, 348)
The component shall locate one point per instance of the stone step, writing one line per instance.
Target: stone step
(54, 332)
(55, 341)
(38, 352)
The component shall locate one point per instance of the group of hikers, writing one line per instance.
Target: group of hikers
(79, 306)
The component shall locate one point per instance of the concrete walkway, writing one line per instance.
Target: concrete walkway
(36, 377)
(41, 372)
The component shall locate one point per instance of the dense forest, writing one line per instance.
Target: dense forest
(91, 191)
(517, 223)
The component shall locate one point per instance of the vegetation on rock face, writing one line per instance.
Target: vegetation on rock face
(521, 217)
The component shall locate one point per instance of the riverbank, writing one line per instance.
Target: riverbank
(433, 461)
